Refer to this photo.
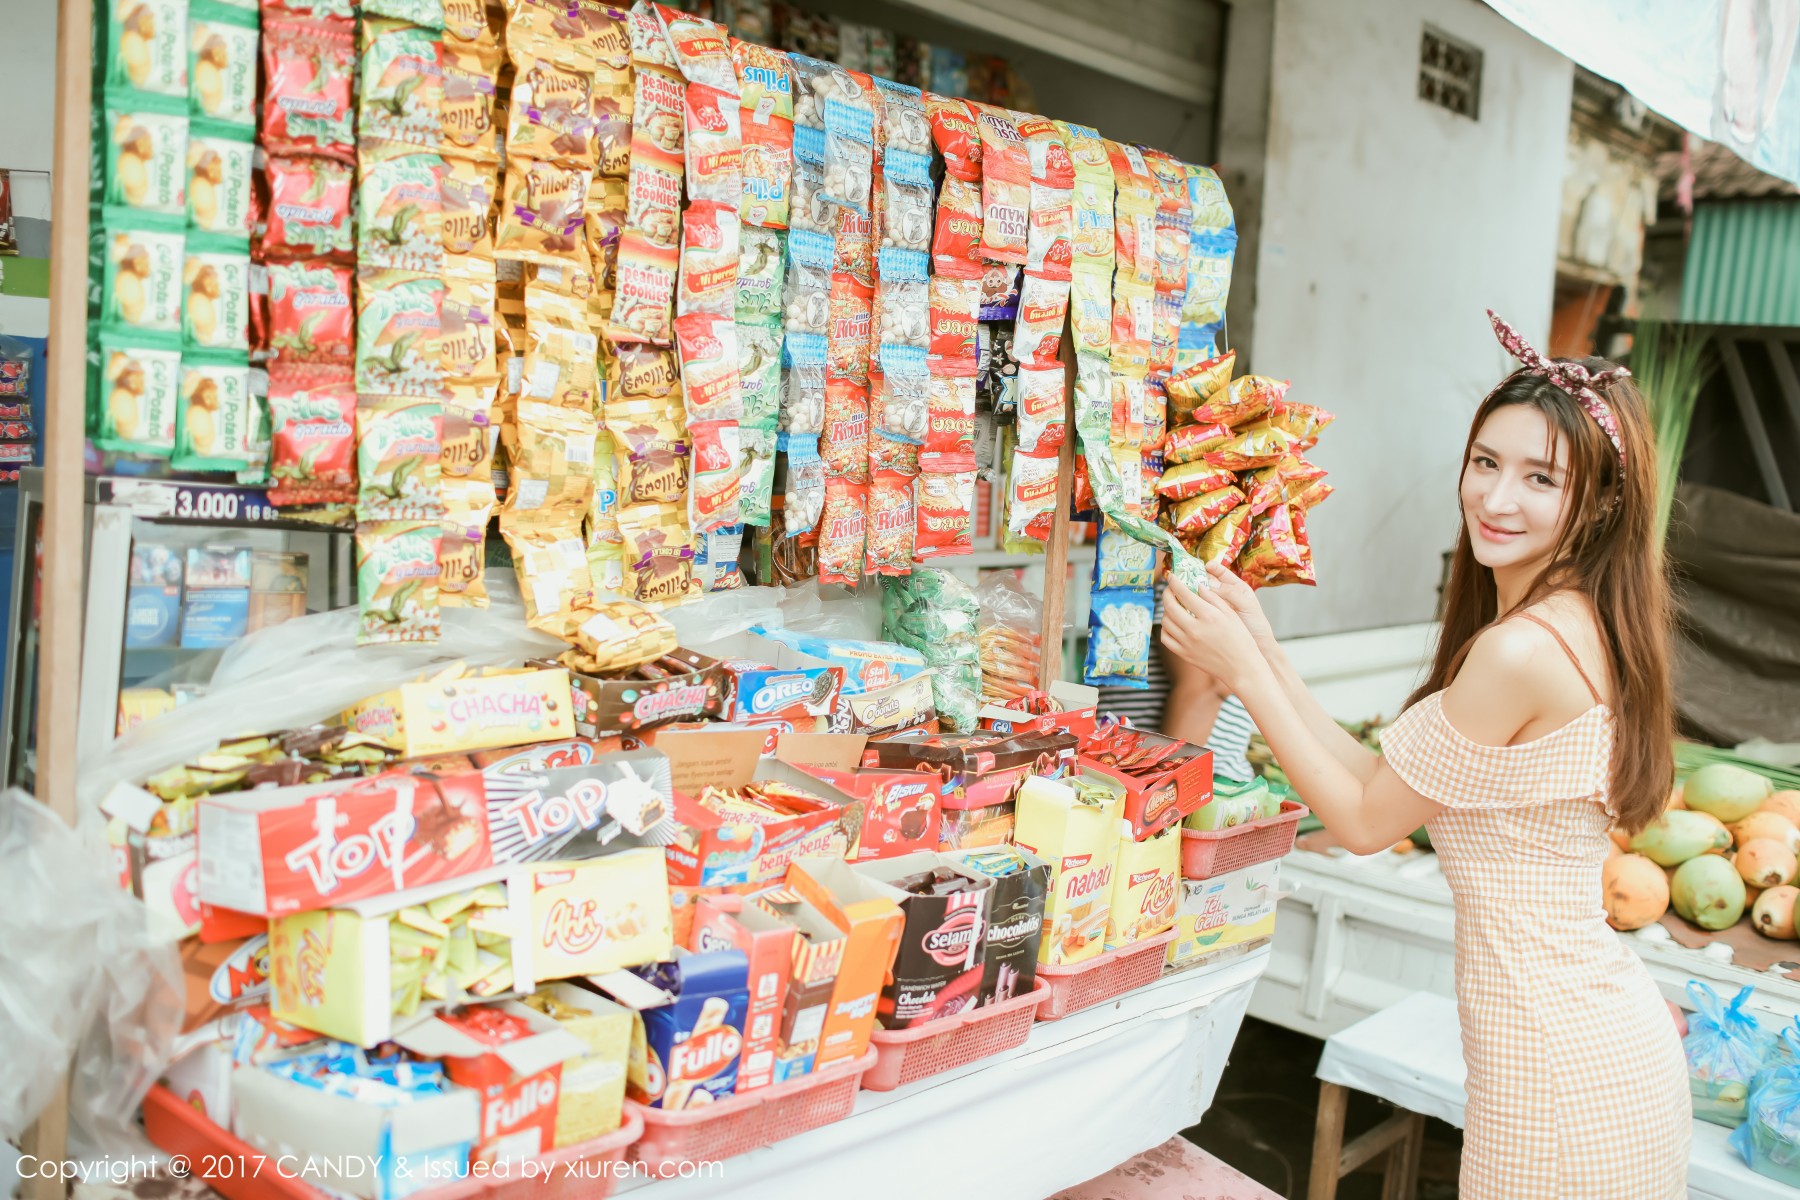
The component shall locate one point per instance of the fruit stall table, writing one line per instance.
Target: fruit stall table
(1355, 935)
(1127, 1074)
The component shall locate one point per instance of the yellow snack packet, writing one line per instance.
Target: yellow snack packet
(561, 352)
(541, 210)
(659, 555)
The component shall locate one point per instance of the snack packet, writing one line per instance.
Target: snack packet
(1243, 400)
(1190, 388)
(1186, 480)
(400, 213)
(550, 117)
(462, 549)
(957, 136)
(219, 197)
(400, 96)
(397, 582)
(1032, 501)
(702, 48)
(468, 125)
(644, 372)
(642, 308)
(890, 523)
(1042, 410)
(541, 211)
(397, 331)
(466, 343)
(658, 555)
(216, 425)
(651, 454)
(848, 345)
(709, 367)
(804, 499)
(709, 260)
(309, 210)
(142, 283)
(845, 443)
(1225, 540)
(215, 293)
(956, 240)
(1005, 187)
(554, 578)
(550, 463)
(309, 69)
(946, 505)
(141, 381)
(1190, 443)
(603, 502)
(399, 443)
(1119, 628)
(843, 531)
(1250, 449)
(761, 272)
(1198, 513)
(714, 146)
(1302, 422)
(148, 43)
(312, 408)
(717, 471)
(952, 326)
(146, 154)
(1122, 561)
(311, 316)
(222, 60)
(467, 456)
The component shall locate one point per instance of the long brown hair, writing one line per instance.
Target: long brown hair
(1608, 552)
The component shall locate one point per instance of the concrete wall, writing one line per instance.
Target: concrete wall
(1389, 225)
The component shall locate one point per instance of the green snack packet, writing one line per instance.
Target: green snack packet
(399, 448)
(215, 300)
(147, 46)
(400, 213)
(255, 473)
(141, 285)
(402, 91)
(397, 331)
(222, 62)
(429, 13)
(220, 159)
(216, 427)
(140, 393)
(145, 140)
(1233, 804)
(397, 582)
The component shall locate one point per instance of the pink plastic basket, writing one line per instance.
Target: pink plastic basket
(239, 1171)
(750, 1121)
(926, 1049)
(1204, 855)
(1101, 979)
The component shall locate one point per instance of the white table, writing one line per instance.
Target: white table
(1128, 1075)
(1411, 1054)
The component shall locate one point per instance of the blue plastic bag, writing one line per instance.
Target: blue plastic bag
(1769, 1138)
(1724, 1048)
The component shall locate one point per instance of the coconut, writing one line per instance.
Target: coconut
(1728, 792)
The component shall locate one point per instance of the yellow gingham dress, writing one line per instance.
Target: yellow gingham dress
(1577, 1083)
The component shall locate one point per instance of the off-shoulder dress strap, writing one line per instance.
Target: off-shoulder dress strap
(1575, 662)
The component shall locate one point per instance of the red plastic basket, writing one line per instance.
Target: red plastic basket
(1101, 979)
(239, 1171)
(750, 1121)
(1204, 855)
(925, 1049)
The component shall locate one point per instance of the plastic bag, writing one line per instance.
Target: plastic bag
(84, 980)
(1011, 627)
(937, 614)
(1769, 1138)
(1724, 1048)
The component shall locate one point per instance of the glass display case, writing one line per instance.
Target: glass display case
(177, 573)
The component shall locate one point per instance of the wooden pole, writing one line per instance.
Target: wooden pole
(1056, 550)
(65, 425)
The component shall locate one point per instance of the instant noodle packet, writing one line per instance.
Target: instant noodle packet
(397, 582)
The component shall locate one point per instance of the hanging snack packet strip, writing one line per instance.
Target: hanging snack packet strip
(309, 68)
(766, 124)
(1005, 187)
(397, 581)
(1119, 627)
(1174, 221)
(1212, 243)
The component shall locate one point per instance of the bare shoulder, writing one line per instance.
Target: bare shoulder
(1516, 683)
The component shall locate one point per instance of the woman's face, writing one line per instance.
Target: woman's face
(1515, 490)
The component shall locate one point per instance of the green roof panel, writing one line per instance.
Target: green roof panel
(1743, 264)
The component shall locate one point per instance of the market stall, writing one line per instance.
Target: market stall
(538, 457)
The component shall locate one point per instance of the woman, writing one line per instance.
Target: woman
(1546, 719)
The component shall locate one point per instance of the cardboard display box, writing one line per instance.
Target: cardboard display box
(1078, 716)
(728, 922)
(767, 680)
(870, 923)
(1156, 801)
(902, 811)
(454, 712)
(607, 706)
(614, 803)
(939, 966)
(1228, 910)
(1080, 841)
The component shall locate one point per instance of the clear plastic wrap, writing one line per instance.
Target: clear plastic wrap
(1012, 637)
(83, 980)
(1724, 1048)
(1769, 1138)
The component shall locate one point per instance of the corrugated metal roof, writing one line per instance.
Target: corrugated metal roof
(1743, 264)
(1719, 174)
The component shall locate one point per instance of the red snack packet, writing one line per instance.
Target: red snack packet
(309, 210)
(1280, 483)
(956, 236)
(312, 418)
(309, 68)
(1193, 387)
(1251, 449)
(842, 532)
(946, 505)
(844, 445)
(1082, 499)
(1272, 543)
(1302, 422)
(1198, 514)
(954, 132)
(847, 340)
(1225, 540)
(1244, 400)
(1189, 443)
(1186, 480)
(950, 416)
(1031, 509)
(312, 317)
(1156, 415)
(1005, 187)
(1314, 494)
(892, 454)
(891, 524)
(951, 328)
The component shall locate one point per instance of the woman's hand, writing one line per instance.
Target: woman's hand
(1208, 632)
(1243, 601)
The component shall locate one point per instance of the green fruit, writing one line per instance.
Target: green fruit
(1708, 891)
(1679, 835)
(1728, 792)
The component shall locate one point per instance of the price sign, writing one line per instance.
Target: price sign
(193, 503)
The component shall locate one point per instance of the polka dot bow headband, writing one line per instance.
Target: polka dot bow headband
(1571, 377)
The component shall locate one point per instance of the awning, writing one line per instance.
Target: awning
(1724, 69)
